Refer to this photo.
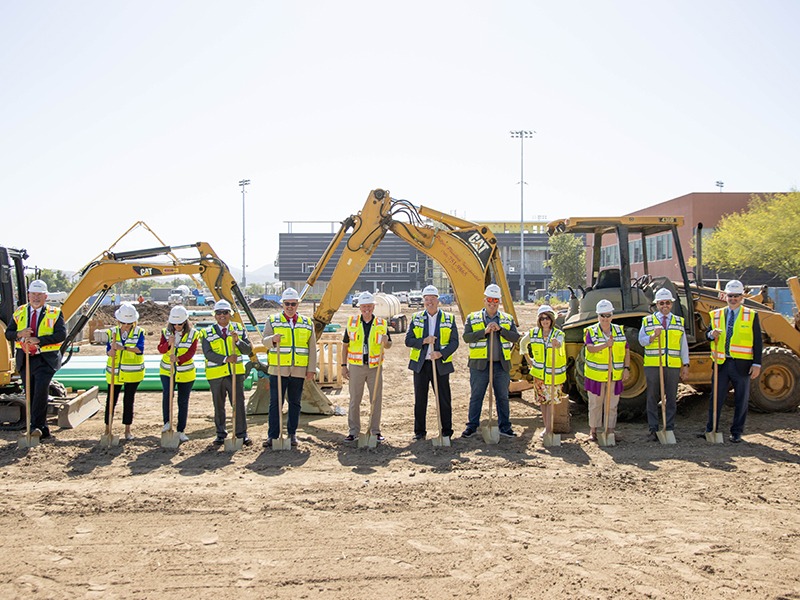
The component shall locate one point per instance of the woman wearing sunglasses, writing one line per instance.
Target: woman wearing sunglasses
(545, 340)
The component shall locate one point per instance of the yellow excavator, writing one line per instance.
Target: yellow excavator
(777, 388)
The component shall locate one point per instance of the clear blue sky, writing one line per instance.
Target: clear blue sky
(113, 112)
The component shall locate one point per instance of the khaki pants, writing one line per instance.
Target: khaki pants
(359, 375)
(597, 405)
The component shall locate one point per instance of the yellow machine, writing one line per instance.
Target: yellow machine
(777, 388)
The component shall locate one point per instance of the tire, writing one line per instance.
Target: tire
(777, 387)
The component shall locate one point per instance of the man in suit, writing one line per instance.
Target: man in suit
(736, 348)
(432, 336)
(38, 330)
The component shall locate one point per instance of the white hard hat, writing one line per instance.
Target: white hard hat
(290, 294)
(604, 307)
(732, 287)
(126, 313)
(178, 315)
(664, 294)
(222, 305)
(37, 286)
(365, 298)
(545, 309)
(493, 291)
(430, 290)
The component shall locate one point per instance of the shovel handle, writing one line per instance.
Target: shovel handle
(491, 374)
(436, 394)
(552, 383)
(280, 393)
(27, 395)
(111, 390)
(661, 383)
(609, 381)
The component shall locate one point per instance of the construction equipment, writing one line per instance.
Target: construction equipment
(29, 440)
(664, 436)
(489, 429)
(440, 440)
(280, 442)
(108, 439)
(778, 388)
(170, 438)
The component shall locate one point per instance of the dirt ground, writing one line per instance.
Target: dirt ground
(328, 520)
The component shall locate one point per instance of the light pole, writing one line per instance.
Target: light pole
(522, 134)
(719, 184)
(243, 183)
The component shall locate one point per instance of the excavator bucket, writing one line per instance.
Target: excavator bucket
(75, 411)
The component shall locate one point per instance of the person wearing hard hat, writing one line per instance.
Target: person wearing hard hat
(178, 345)
(546, 343)
(292, 346)
(663, 333)
(604, 345)
(225, 346)
(490, 323)
(736, 347)
(432, 336)
(365, 338)
(38, 330)
(125, 352)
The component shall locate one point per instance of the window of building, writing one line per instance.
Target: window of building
(413, 267)
(308, 267)
(395, 266)
(635, 251)
(609, 256)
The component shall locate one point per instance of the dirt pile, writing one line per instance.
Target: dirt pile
(262, 303)
(150, 313)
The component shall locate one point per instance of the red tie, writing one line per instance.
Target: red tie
(664, 322)
(33, 322)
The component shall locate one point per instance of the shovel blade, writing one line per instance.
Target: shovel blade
(666, 437)
(714, 437)
(233, 444)
(28, 441)
(282, 443)
(170, 439)
(551, 440)
(107, 441)
(606, 439)
(490, 432)
(367, 440)
(441, 441)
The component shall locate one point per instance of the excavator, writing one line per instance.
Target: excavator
(777, 388)
(98, 277)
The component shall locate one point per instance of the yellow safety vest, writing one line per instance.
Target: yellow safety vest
(742, 339)
(355, 349)
(294, 341)
(670, 341)
(445, 331)
(48, 315)
(541, 353)
(128, 366)
(596, 367)
(226, 348)
(186, 371)
(480, 349)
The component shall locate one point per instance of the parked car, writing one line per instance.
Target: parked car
(415, 298)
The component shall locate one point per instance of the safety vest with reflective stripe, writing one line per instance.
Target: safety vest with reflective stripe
(445, 331)
(226, 348)
(480, 349)
(742, 338)
(670, 341)
(355, 349)
(129, 366)
(541, 353)
(48, 315)
(186, 371)
(596, 367)
(294, 341)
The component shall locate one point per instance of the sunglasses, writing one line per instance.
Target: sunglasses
(290, 303)
(222, 312)
(734, 295)
(605, 316)
(543, 317)
(493, 300)
(664, 302)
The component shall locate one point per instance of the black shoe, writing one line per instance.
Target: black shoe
(293, 438)
(247, 441)
(268, 443)
(419, 436)
(653, 436)
(702, 434)
(735, 438)
(468, 432)
(510, 433)
(349, 438)
(219, 441)
(379, 437)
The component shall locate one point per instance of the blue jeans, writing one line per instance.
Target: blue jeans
(184, 389)
(293, 387)
(478, 383)
(731, 372)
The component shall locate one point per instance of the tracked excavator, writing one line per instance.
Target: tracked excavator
(777, 388)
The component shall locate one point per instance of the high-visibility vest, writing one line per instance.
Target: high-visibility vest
(48, 315)
(596, 367)
(294, 341)
(446, 322)
(670, 341)
(355, 349)
(186, 371)
(226, 348)
(480, 349)
(128, 366)
(742, 338)
(541, 353)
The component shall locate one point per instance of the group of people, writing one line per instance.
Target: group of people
(38, 330)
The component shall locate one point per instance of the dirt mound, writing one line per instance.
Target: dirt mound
(262, 303)
(149, 312)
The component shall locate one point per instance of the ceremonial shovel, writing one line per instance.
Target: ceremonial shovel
(552, 439)
(369, 439)
(714, 436)
(439, 440)
(280, 442)
(604, 438)
(489, 429)
(169, 438)
(29, 440)
(233, 443)
(108, 439)
(664, 436)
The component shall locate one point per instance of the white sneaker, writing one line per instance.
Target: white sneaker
(183, 437)
(165, 428)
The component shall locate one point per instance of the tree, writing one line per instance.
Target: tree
(567, 262)
(766, 236)
(57, 281)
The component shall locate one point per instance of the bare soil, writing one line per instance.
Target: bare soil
(328, 520)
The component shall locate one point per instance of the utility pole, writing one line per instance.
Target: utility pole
(243, 183)
(522, 134)
(719, 184)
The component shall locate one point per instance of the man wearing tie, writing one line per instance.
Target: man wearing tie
(433, 335)
(38, 330)
(736, 347)
(663, 334)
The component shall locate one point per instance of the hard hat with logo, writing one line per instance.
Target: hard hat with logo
(37, 286)
(430, 290)
(604, 306)
(222, 305)
(178, 315)
(493, 291)
(546, 309)
(290, 294)
(365, 298)
(734, 287)
(126, 313)
(664, 294)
